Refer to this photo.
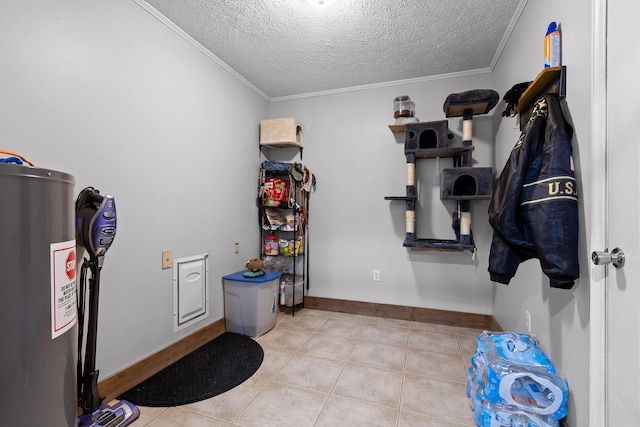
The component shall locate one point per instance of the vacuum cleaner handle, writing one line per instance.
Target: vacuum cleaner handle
(90, 395)
(95, 221)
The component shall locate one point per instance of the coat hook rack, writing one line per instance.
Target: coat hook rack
(550, 80)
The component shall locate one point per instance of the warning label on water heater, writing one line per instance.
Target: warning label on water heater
(63, 287)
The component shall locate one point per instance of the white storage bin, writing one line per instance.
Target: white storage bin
(288, 292)
(250, 303)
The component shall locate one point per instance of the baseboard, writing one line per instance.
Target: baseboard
(117, 384)
(429, 315)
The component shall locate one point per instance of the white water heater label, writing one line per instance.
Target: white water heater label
(64, 310)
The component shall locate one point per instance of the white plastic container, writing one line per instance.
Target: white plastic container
(250, 303)
(289, 291)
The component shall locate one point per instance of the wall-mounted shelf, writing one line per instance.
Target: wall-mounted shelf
(402, 198)
(279, 146)
(438, 244)
(432, 153)
(396, 128)
(409, 197)
(550, 80)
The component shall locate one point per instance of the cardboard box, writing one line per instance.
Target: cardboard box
(285, 132)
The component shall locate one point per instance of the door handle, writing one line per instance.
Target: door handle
(616, 257)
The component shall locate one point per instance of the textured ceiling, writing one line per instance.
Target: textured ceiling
(288, 47)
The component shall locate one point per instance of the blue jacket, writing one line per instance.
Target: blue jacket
(534, 209)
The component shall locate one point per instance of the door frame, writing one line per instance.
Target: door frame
(598, 239)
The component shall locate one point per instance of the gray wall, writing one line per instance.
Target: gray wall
(106, 92)
(560, 318)
(353, 230)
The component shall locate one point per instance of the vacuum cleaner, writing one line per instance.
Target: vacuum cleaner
(96, 228)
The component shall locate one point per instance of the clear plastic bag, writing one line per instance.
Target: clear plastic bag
(284, 264)
(511, 370)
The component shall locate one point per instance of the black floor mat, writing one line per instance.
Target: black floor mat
(212, 369)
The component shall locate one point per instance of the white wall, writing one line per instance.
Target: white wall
(560, 318)
(353, 230)
(106, 92)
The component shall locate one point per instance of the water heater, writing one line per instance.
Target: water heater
(38, 312)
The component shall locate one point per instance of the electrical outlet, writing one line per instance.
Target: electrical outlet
(376, 275)
(167, 259)
(527, 320)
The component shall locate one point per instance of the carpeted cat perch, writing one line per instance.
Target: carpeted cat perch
(464, 182)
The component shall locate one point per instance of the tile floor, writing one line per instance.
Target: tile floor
(324, 368)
